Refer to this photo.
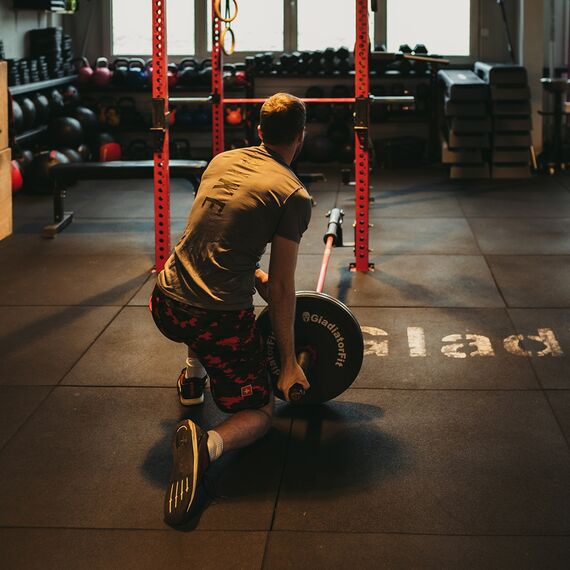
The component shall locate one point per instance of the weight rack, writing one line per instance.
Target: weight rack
(361, 100)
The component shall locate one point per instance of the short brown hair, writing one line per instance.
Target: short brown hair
(282, 117)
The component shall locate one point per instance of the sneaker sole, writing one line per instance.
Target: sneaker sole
(181, 491)
(192, 401)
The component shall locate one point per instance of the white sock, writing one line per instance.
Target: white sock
(215, 445)
(194, 368)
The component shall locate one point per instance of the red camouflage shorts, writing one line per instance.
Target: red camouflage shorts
(227, 344)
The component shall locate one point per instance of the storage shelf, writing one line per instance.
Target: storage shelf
(32, 134)
(40, 85)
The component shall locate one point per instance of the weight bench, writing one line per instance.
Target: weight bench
(64, 175)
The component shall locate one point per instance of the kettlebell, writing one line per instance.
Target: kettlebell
(137, 74)
(102, 75)
(120, 69)
(234, 115)
(84, 71)
(188, 72)
(172, 75)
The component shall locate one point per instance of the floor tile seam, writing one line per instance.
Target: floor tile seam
(132, 529)
(281, 531)
(541, 386)
(557, 180)
(419, 534)
(277, 494)
(438, 307)
(54, 386)
(173, 388)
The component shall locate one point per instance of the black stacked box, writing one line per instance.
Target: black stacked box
(465, 137)
(512, 121)
(48, 42)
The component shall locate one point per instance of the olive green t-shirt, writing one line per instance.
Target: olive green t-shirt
(246, 197)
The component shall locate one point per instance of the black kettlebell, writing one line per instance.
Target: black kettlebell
(188, 72)
(120, 71)
(205, 73)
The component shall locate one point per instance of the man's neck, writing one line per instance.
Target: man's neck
(286, 152)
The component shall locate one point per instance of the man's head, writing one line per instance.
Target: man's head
(282, 120)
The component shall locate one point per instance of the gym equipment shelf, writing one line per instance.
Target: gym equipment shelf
(31, 134)
(40, 85)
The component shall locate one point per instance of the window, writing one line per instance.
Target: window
(321, 24)
(442, 25)
(258, 26)
(132, 27)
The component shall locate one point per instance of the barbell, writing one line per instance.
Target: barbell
(328, 339)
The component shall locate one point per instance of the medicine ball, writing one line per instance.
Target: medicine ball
(72, 154)
(17, 116)
(28, 112)
(17, 177)
(87, 118)
(56, 102)
(40, 167)
(65, 132)
(319, 149)
(71, 96)
(43, 110)
(24, 160)
(339, 132)
(84, 151)
(345, 153)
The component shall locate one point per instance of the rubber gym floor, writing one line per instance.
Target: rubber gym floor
(451, 449)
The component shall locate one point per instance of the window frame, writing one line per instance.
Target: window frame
(289, 33)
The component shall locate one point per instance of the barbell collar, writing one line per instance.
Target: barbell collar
(334, 228)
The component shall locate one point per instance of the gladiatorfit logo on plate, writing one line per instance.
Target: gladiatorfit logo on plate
(333, 329)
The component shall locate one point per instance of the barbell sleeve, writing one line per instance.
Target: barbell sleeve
(296, 392)
(334, 228)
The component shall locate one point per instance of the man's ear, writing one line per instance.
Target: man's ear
(259, 133)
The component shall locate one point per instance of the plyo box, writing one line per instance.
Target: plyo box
(5, 193)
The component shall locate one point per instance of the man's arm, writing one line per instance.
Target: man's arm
(282, 265)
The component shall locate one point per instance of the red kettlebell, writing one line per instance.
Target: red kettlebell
(240, 78)
(84, 71)
(110, 151)
(102, 75)
(172, 75)
(17, 178)
(234, 116)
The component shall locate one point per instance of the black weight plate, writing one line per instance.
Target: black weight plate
(330, 332)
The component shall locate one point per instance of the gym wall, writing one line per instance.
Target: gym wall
(15, 23)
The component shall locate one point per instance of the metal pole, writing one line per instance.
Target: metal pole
(217, 85)
(325, 264)
(161, 139)
(361, 154)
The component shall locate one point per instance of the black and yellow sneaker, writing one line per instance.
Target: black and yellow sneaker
(190, 459)
(191, 390)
